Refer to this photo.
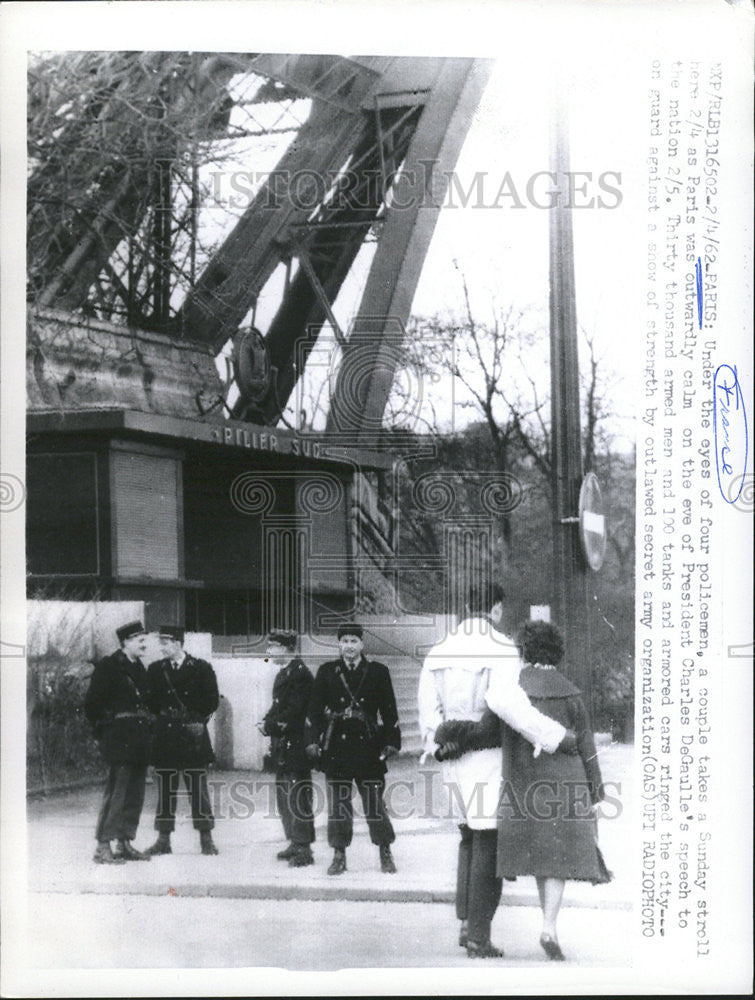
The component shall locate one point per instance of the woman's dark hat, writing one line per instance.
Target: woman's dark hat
(129, 631)
(284, 637)
(174, 632)
(350, 629)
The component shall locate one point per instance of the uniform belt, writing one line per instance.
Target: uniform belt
(351, 713)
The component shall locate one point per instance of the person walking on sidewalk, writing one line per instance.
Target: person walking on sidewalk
(547, 826)
(284, 724)
(117, 706)
(458, 674)
(343, 733)
(183, 696)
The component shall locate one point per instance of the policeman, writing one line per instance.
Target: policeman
(343, 733)
(117, 705)
(284, 724)
(183, 695)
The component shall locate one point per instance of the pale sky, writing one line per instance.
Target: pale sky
(503, 251)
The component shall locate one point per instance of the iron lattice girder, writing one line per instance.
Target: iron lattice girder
(333, 138)
(260, 239)
(330, 246)
(441, 95)
(370, 358)
(341, 82)
(81, 206)
(330, 141)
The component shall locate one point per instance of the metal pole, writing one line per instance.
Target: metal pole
(569, 569)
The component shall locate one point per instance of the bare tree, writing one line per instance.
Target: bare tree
(501, 368)
(502, 364)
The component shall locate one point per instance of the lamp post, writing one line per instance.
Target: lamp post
(569, 568)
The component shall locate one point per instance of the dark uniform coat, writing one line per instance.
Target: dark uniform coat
(117, 706)
(350, 746)
(292, 690)
(545, 826)
(189, 694)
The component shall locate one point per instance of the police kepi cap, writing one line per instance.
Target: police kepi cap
(350, 629)
(284, 637)
(129, 631)
(172, 632)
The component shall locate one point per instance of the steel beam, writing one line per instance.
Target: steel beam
(371, 356)
(228, 287)
(69, 250)
(334, 79)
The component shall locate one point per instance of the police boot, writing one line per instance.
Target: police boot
(160, 846)
(386, 860)
(301, 857)
(207, 843)
(128, 853)
(287, 853)
(104, 855)
(338, 864)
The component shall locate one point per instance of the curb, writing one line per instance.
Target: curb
(347, 894)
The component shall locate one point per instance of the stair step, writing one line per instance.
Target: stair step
(409, 718)
(407, 706)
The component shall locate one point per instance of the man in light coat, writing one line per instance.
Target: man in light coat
(472, 667)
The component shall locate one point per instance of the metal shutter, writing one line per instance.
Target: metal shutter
(145, 507)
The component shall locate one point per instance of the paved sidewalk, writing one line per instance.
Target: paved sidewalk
(192, 934)
(249, 834)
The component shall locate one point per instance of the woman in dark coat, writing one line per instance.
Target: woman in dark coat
(547, 823)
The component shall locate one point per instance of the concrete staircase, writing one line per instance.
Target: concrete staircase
(405, 676)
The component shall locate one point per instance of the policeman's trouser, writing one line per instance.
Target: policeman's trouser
(341, 814)
(195, 781)
(478, 888)
(293, 794)
(122, 802)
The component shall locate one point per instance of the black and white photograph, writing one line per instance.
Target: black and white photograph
(376, 611)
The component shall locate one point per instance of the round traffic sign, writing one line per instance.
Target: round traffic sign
(592, 521)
